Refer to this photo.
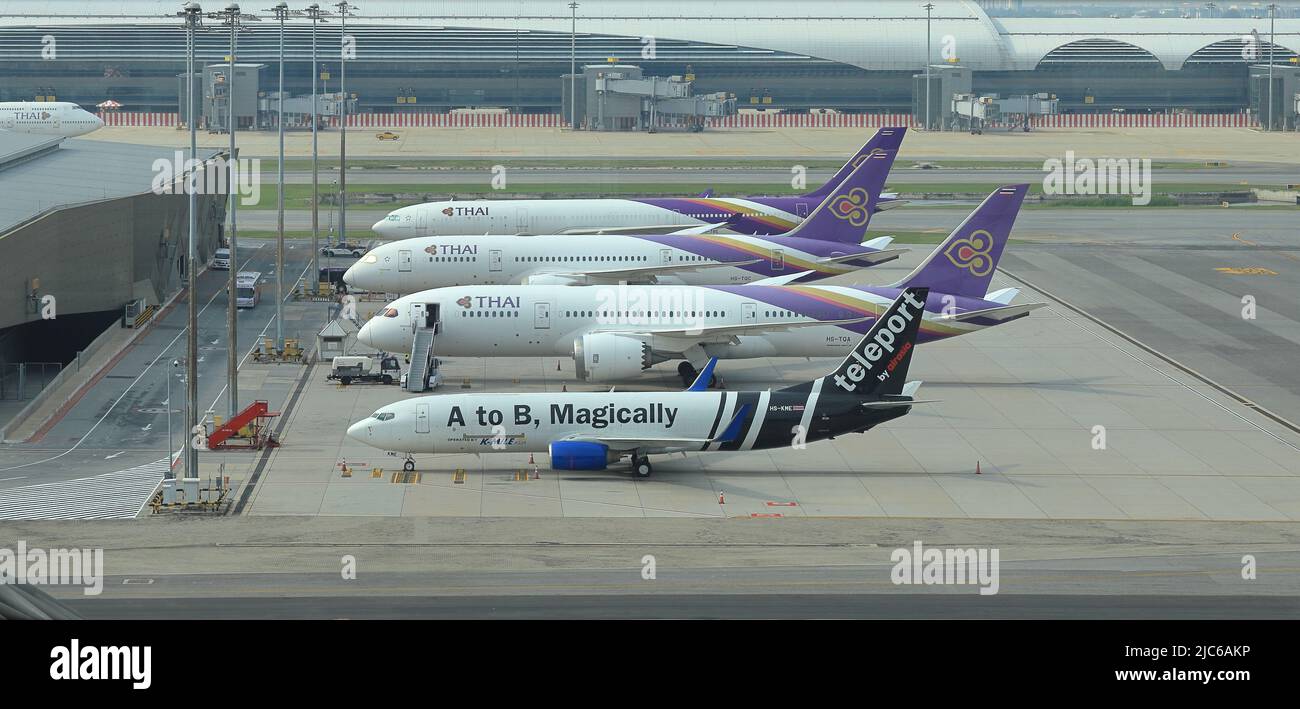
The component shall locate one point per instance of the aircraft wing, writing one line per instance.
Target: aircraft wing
(660, 229)
(642, 272)
(724, 333)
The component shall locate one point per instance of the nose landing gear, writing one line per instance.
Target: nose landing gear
(409, 464)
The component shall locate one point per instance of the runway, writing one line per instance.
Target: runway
(812, 568)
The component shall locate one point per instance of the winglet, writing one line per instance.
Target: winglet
(733, 428)
(704, 377)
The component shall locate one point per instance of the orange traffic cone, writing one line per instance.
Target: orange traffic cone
(722, 497)
(557, 365)
(530, 459)
(977, 468)
(564, 387)
(536, 474)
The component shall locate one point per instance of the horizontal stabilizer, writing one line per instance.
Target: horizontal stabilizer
(872, 258)
(890, 203)
(780, 280)
(997, 315)
(1004, 296)
(880, 242)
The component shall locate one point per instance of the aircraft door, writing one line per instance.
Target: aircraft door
(417, 316)
(748, 312)
(404, 260)
(801, 209)
(421, 222)
(421, 418)
(665, 256)
(542, 316)
(778, 260)
(521, 221)
(494, 260)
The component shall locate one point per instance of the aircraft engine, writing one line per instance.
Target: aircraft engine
(578, 455)
(606, 357)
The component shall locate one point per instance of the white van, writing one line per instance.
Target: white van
(248, 291)
(221, 260)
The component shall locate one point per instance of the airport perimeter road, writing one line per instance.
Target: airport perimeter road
(830, 568)
(1233, 145)
(121, 420)
(728, 180)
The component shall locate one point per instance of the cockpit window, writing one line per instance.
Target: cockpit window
(384, 415)
(370, 258)
(390, 312)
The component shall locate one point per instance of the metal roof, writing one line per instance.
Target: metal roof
(75, 172)
(877, 35)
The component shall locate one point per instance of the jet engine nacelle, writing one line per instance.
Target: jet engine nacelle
(606, 357)
(578, 455)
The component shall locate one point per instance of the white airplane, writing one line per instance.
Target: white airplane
(54, 118)
(825, 244)
(590, 430)
(617, 332)
(642, 215)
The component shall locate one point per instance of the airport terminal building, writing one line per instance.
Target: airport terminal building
(852, 57)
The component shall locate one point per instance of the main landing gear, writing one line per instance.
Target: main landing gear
(641, 466)
(688, 373)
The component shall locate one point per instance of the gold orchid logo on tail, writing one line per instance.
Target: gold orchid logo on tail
(972, 253)
(852, 207)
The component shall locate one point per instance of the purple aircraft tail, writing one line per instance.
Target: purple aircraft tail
(845, 212)
(885, 139)
(964, 263)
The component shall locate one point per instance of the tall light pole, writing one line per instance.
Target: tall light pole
(167, 372)
(282, 13)
(929, 7)
(344, 10)
(234, 19)
(316, 14)
(1272, 16)
(573, 68)
(193, 15)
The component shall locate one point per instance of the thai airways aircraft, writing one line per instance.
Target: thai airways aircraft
(648, 215)
(618, 332)
(825, 244)
(54, 118)
(590, 430)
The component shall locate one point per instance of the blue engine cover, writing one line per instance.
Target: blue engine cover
(578, 455)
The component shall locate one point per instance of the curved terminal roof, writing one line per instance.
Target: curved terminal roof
(881, 35)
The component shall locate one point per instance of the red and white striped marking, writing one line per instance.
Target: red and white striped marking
(118, 118)
(744, 120)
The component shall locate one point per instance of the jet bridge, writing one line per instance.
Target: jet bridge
(618, 97)
(975, 113)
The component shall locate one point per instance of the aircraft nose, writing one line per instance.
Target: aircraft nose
(366, 335)
(99, 121)
(383, 228)
(350, 275)
(358, 431)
